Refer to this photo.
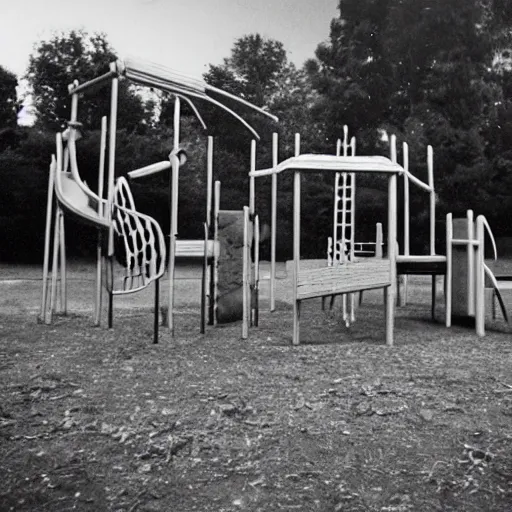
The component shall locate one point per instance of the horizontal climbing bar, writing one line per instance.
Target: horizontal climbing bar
(148, 170)
(462, 241)
(99, 80)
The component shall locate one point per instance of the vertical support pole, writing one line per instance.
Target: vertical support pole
(202, 328)
(110, 186)
(252, 180)
(404, 278)
(337, 198)
(245, 277)
(62, 250)
(449, 270)
(471, 262)
(346, 209)
(273, 227)
(252, 218)
(296, 246)
(216, 251)
(174, 183)
(256, 285)
(207, 287)
(392, 249)
(430, 166)
(157, 309)
(209, 221)
(101, 213)
(353, 226)
(209, 181)
(296, 256)
(47, 237)
(378, 241)
(480, 278)
(55, 264)
(406, 199)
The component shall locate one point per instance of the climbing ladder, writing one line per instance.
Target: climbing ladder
(342, 244)
(344, 206)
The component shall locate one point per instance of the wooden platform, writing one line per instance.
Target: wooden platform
(421, 265)
(352, 277)
(194, 249)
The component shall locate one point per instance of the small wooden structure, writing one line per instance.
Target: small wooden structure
(350, 276)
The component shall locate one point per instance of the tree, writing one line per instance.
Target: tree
(66, 57)
(8, 99)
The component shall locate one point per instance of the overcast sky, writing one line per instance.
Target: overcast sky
(185, 35)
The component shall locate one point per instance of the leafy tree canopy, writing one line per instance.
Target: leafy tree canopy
(78, 56)
(8, 98)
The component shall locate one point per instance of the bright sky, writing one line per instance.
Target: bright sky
(185, 35)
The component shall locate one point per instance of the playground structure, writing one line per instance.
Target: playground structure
(143, 245)
(346, 274)
(114, 215)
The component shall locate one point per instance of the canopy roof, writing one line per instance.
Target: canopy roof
(166, 79)
(316, 163)
(159, 77)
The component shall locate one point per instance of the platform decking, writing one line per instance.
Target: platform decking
(351, 277)
(421, 265)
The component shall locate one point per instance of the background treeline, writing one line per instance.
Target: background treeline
(433, 72)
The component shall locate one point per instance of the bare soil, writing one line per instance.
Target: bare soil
(93, 419)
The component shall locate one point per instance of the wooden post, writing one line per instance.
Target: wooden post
(273, 227)
(296, 256)
(174, 184)
(245, 277)
(337, 177)
(156, 312)
(353, 226)
(471, 263)
(252, 180)
(110, 186)
(390, 293)
(378, 241)
(391, 289)
(406, 199)
(47, 237)
(55, 264)
(252, 218)
(206, 293)
(101, 213)
(448, 278)
(203, 279)
(209, 181)
(216, 252)
(480, 278)
(430, 165)
(62, 250)
(403, 294)
(256, 285)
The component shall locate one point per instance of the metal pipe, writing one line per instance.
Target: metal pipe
(95, 82)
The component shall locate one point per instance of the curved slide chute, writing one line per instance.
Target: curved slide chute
(73, 195)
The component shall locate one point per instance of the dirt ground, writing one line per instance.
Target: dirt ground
(93, 419)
